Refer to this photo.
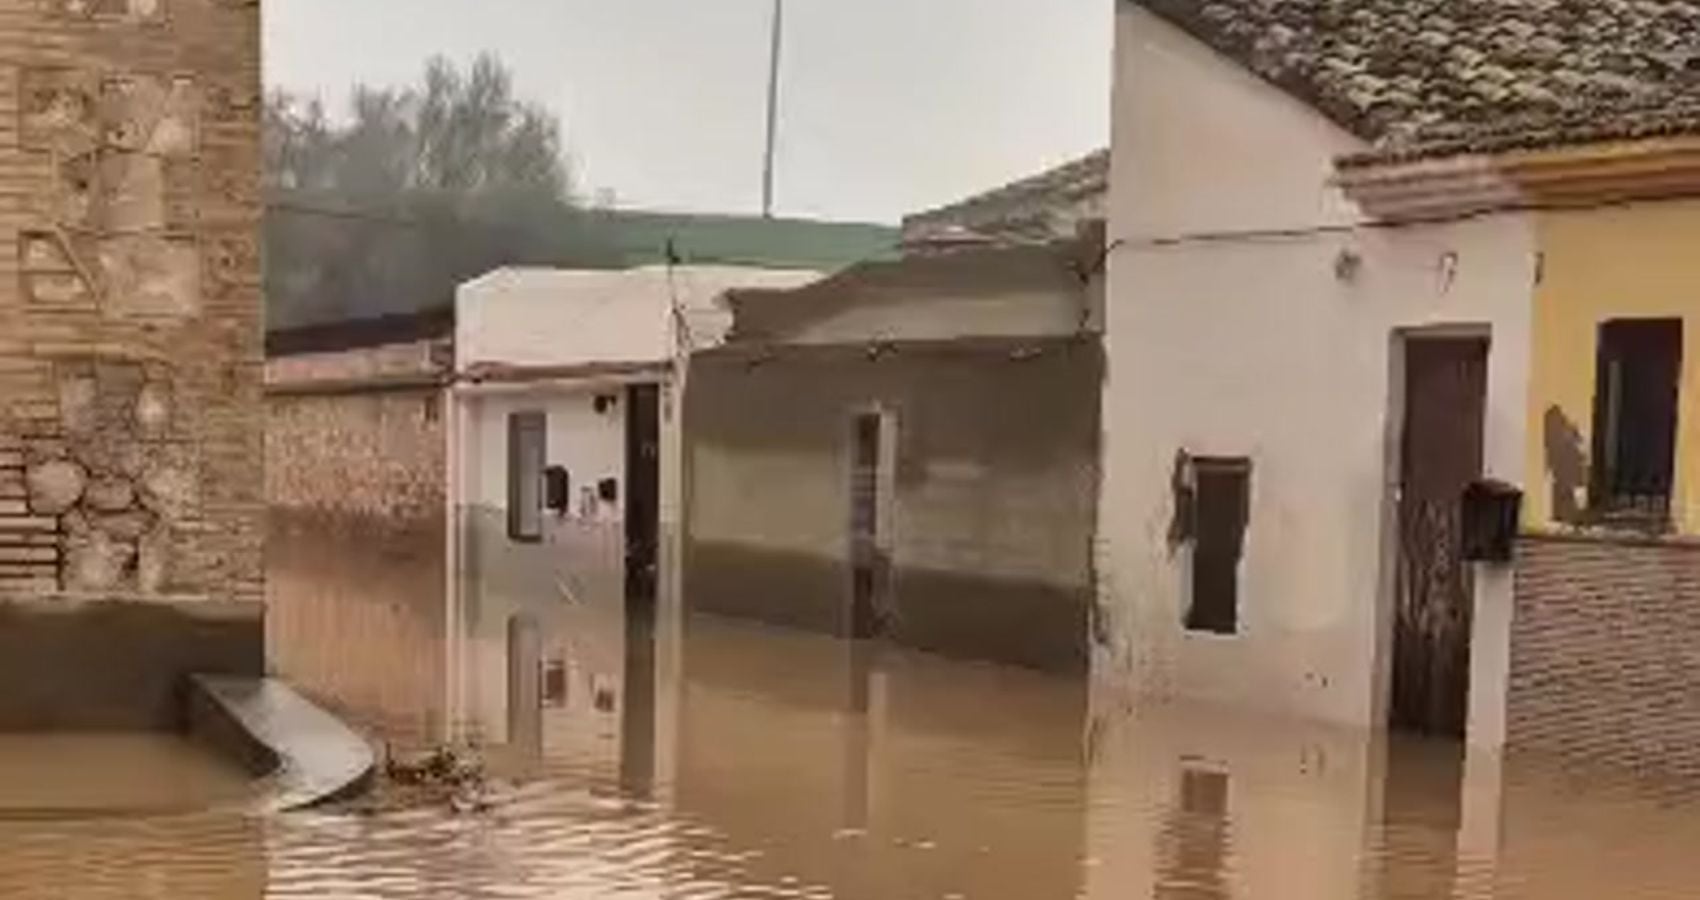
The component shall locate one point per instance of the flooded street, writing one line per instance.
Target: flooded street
(756, 763)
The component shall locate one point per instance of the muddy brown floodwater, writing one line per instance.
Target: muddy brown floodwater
(730, 761)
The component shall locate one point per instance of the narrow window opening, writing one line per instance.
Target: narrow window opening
(1221, 500)
(527, 450)
(1635, 418)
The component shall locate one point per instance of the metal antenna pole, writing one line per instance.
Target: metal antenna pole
(772, 108)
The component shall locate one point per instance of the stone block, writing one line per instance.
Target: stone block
(171, 491)
(128, 526)
(157, 117)
(139, 11)
(55, 487)
(97, 562)
(153, 562)
(153, 410)
(78, 399)
(110, 495)
(60, 110)
(148, 275)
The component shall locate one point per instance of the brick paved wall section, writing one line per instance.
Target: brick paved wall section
(1605, 653)
(371, 450)
(130, 343)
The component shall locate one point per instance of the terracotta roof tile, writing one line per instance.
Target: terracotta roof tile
(1036, 208)
(1426, 77)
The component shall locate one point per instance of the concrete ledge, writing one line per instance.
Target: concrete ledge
(73, 664)
(308, 755)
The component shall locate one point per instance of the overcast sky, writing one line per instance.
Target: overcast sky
(889, 106)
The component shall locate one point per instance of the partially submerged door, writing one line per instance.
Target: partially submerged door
(1445, 405)
(869, 566)
(643, 497)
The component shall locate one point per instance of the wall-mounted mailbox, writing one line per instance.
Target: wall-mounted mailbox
(557, 490)
(608, 490)
(554, 683)
(1491, 512)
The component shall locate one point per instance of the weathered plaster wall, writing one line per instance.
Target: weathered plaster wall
(572, 582)
(130, 418)
(556, 317)
(995, 482)
(412, 357)
(1227, 339)
(984, 293)
(1630, 261)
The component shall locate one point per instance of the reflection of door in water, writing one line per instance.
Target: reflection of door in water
(1193, 845)
(643, 497)
(868, 563)
(1445, 404)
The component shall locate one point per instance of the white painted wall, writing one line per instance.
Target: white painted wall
(1224, 339)
(591, 445)
(572, 582)
(1005, 292)
(554, 317)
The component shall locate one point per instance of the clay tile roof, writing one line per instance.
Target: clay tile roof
(1433, 77)
(1025, 209)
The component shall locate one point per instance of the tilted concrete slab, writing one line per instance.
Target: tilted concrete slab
(308, 756)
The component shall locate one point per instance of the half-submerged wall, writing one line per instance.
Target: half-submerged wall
(130, 419)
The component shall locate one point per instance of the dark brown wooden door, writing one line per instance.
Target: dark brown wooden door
(1445, 405)
(868, 565)
(643, 497)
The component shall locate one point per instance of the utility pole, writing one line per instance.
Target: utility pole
(772, 107)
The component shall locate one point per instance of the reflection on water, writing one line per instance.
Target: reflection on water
(43, 775)
(355, 616)
(706, 759)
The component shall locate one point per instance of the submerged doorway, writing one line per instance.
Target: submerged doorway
(870, 562)
(643, 498)
(1445, 406)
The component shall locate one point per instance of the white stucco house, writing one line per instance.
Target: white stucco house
(1269, 342)
(563, 480)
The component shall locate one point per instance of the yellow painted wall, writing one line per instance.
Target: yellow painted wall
(1633, 261)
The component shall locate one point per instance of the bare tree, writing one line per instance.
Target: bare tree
(420, 189)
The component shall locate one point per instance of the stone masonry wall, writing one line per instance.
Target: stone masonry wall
(1605, 653)
(370, 453)
(130, 343)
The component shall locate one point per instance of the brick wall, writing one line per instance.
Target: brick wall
(1605, 653)
(372, 448)
(130, 430)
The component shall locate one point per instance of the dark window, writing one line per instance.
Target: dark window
(1221, 500)
(527, 449)
(557, 489)
(1635, 398)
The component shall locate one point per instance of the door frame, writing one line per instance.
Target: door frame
(1386, 612)
(885, 496)
(641, 498)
